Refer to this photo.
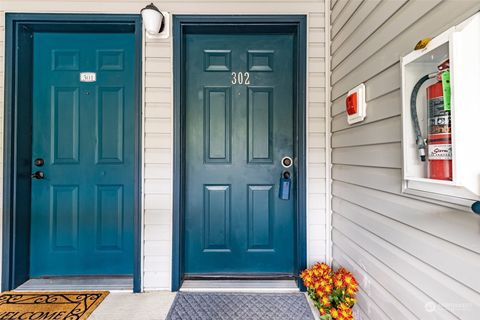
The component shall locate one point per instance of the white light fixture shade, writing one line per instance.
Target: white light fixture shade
(153, 19)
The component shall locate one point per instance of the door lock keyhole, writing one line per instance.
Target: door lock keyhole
(39, 162)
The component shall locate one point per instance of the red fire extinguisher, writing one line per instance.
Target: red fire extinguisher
(439, 137)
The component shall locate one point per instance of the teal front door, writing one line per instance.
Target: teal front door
(82, 154)
(239, 124)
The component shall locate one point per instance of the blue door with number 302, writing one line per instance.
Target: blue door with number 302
(82, 154)
(239, 125)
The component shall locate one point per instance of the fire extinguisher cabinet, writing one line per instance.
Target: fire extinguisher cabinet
(451, 134)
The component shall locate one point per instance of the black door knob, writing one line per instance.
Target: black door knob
(38, 175)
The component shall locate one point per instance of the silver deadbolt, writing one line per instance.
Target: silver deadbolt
(287, 162)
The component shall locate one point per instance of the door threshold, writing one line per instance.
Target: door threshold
(267, 286)
(79, 283)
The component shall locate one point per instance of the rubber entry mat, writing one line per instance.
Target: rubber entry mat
(240, 306)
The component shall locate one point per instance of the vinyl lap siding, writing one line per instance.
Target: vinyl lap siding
(157, 116)
(316, 230)
(414, 259)
(158, 164)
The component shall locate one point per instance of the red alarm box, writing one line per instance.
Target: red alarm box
(355, 104)
(352, 104)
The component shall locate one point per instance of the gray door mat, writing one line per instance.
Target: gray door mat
(240, 306)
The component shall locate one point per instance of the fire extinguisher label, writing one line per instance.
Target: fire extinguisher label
(440, 152)
(439, 118)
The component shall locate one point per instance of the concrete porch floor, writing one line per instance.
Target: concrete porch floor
(142, 306)
(131, 306)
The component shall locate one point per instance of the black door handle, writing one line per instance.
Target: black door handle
(38, 175)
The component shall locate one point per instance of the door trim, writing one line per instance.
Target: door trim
(18, 28)
(183, 24)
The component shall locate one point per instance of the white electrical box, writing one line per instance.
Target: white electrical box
(454, 147)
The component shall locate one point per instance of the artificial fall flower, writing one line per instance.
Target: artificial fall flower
(350, 301)
(345, 313)
(343, 306)
(328, 289)
(324, 266)
(325, 301)
(334, 313)
(339, 283)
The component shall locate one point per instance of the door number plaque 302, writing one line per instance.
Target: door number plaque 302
(241, 78)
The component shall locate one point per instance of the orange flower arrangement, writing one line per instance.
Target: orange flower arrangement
(333, 293)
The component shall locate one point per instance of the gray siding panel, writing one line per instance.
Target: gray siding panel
(394, 232)
(344, 15)
(362, 12)
(383, 35)
(378, 155)
(338, 7)
(365, 29)
(371, 133)
(415, 258)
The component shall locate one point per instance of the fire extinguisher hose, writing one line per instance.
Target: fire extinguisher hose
(420, 141)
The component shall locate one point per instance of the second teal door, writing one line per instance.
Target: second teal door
(239, 103)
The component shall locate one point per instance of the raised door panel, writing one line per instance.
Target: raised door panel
(260, 130)
(109, 126)
(109, 217)
(65, 124)
(217, 124)
(64, 206)
(216, 219)
(260, 218)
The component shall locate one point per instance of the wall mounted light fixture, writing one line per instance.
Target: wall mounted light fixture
(155, 22)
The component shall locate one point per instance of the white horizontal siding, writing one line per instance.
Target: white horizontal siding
(316, 183)
(408, 254)
(158, 137)
(157, 111)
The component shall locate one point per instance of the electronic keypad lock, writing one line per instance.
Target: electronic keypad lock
(285, 186)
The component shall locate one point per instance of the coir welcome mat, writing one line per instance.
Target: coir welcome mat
(49, 305)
